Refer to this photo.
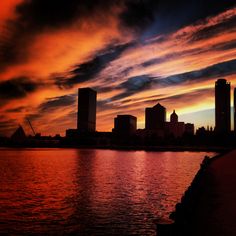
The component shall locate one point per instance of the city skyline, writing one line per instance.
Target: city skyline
(134, 60)
(156, 122)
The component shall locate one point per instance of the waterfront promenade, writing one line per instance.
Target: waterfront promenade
(209, 205)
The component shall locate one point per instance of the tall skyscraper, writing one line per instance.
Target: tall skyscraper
(155, 117)
(86, 120)
(222, 106)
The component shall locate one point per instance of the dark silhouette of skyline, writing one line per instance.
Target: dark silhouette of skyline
(157, 130)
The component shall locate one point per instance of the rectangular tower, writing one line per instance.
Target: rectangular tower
(86, 119)
(222, 106)
(155, 117)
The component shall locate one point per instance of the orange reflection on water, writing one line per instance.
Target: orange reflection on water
(90, 192)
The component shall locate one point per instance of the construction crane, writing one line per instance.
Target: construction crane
(31, 126)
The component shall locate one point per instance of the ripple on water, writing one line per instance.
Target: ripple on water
(91, 192)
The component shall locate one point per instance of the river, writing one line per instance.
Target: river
(91, 192)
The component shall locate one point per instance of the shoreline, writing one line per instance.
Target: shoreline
(216, 149)
(187, 215)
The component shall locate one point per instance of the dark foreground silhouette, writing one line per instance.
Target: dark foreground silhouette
(208, 207)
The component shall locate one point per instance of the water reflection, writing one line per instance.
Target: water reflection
(90, 192)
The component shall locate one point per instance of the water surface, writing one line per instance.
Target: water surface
(91, 192)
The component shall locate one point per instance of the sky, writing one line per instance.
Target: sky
(134, 53)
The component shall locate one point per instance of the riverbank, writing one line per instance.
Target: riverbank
(217, 149)
(208, 207)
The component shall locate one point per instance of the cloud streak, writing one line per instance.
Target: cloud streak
(17, 88)
(134, 53)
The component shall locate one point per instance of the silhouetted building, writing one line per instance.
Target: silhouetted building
(125, 125)
(234, 109)
(155, 117)
(189, 128)
(87, 99)
(72, 133)
(19, 135)
(174, 127)
(174, 117)
(222, 106)
(201, 131)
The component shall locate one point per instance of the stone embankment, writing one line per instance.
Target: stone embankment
(208, 207)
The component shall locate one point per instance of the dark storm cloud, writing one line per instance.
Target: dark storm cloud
(137, 83)
(88, 70)
(56, 13)
(17, 88)
(173, 15)
(130, 86)
(148, 17)
(214, 71)
(133, 85)
(214, 30)
(37, 16)
(57, 102)
(141, 83)
(41, 14)
(139, 14)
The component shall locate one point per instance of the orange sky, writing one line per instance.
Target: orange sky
(177, 68)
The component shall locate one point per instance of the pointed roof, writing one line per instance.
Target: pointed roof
(19, 134)
(173, 113)
(158, 105)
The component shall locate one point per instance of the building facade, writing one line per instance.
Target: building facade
(155, 117)
(189, 129)
(87, 101)
(125, 125)
(174, 127)
(222, 106)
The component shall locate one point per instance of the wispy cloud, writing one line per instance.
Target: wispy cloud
(134, 53)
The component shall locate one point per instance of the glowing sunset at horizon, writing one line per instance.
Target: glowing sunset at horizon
(133, 53)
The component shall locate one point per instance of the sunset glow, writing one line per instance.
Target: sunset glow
(43, 61)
